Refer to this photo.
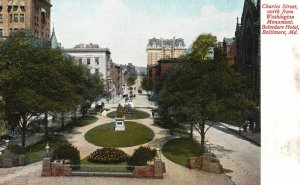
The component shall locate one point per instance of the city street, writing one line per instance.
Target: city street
(239, 157)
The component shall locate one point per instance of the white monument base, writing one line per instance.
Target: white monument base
(119, 124)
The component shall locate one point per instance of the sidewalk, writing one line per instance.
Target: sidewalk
(250, 136)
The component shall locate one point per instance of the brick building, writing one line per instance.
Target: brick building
(229, 48)
(163, 49)
(31, 15)
(162, 67)
(119, 75)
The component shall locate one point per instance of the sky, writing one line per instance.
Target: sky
(125, 26)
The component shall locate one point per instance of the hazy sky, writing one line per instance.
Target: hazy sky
(124, 26)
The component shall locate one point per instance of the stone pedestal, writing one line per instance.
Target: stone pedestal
(46, 168)
(119, 124)
(159, 169)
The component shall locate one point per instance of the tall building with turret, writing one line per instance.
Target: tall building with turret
(31, 15)
(158, 49)
(247, 60)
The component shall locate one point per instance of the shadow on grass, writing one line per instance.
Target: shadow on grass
(36, 152)
(180, 149)
(80, 122)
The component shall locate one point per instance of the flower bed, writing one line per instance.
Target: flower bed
(108, 155)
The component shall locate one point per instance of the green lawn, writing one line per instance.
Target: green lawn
(137, 115)
(36, 152)
(178, 150)
(81, 122)
(105, 136)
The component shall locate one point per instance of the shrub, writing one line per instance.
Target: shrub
(141, 156)
(108, 155)
(140, 91)
(163, 123)
(68, 153)
(16, 149)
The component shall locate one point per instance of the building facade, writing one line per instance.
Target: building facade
(96, 59)
(247, 60)
(162, 67)
(119, 75)
(229, 49)
(163, 49)
(31, 15)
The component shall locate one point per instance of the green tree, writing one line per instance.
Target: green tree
(200, 92)
(202, 44)
(21, 100)
(146, 83)
(91, 89)
(35, 80)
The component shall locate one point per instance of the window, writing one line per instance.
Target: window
(80, 61)
(1, 32)
(10, 18)
(1, 18)
(15, 8)
(97, 71)
(97, 61)
(22, 18)
(88, 61)
(16, 18)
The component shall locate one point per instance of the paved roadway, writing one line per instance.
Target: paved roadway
(240, 157)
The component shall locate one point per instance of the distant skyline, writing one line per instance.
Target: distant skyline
(124, 26)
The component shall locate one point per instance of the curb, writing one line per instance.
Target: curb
(248, 139)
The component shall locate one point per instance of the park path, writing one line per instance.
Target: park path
(176, 174)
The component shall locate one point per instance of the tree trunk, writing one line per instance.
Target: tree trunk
(202, 133)
(62, 122)
(75, 115)
(46, 124)
(23, 124)
(192, 130)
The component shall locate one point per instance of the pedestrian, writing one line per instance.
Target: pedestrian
(152, 113)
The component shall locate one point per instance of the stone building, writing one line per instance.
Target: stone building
(164, 48)
(96, 59)
(247, 60)
(31, 15)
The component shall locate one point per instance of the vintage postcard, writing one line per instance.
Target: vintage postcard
(149, 92)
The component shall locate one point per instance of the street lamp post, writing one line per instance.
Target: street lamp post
(207, 146)
(47, 151)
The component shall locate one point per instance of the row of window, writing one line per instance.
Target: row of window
(11, 29)
(16, 18)
(15, 8)
(88, 61)
(96, 71)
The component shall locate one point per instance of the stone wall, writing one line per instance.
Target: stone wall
(9, 160)
(55, 169)
(151, 171)
(206, 163)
